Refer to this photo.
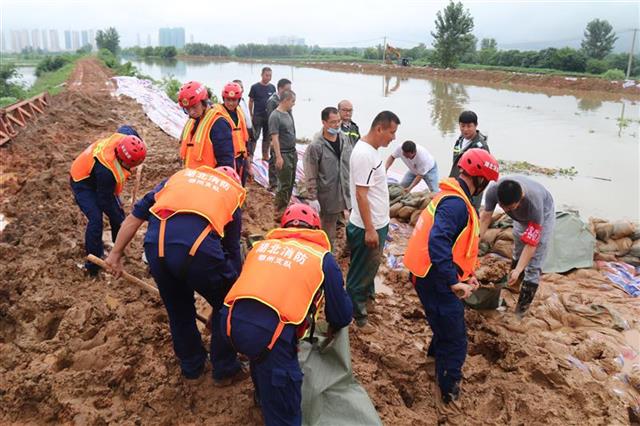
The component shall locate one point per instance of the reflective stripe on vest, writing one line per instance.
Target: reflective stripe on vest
(196, 148)
(103, 150)
(465, 248)
(205, 192)
(239, 133)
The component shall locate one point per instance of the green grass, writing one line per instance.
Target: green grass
(51, 81)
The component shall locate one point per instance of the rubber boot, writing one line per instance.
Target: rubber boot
(527, 293)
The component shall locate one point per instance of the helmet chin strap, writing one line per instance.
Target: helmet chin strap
(479, 184)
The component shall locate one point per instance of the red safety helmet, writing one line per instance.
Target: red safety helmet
(229, 171)
(232, 91)
(297, 213)
(131, 151)
(478, 162)
(191, 93)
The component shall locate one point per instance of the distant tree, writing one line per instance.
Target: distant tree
(168, 52)
(8, 86)
(108, 39)
(488, 44)
(598, 39)
(84, 49)
(452, 38)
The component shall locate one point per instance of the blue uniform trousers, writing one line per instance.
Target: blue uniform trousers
(209, 276)
(445, 315)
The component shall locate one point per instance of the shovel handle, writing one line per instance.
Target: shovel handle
(135, 280)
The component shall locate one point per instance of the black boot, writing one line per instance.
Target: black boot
(453, 395)
(527, 293)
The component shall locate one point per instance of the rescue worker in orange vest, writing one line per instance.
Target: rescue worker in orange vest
(98, 175)
(230, 126)
(283, 281)
(442, 255)
(194, 224)
(197, 147)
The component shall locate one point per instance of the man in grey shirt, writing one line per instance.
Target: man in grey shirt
(532, 209)
(283, 143)
(267, 153)
(326, 171)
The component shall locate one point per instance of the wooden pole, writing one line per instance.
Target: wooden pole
(137, 281)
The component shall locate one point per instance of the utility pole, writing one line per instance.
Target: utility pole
(384, 50)
(633, 44)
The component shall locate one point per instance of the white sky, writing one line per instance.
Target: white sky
(514, 24)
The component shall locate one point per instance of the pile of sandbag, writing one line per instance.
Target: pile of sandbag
(616, 241)
(407, 207)
(499, 237)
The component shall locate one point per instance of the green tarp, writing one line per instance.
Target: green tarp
(330, 394)
(571, 246)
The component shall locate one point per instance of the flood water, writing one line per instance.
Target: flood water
(596, 136)
(27, 76)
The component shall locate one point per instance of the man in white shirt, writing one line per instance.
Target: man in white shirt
(420, 163)
(369, 220)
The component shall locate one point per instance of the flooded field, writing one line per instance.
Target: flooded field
(593, 134)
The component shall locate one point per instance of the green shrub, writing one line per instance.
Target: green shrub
(108, 58)
(613, 75)
(596, 66)
(171, 86)
(51, 63)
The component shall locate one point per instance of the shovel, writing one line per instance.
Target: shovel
(134, 280)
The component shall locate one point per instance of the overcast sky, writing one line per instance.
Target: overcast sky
(514, 24)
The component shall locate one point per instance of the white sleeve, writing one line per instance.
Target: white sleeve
(397, 152)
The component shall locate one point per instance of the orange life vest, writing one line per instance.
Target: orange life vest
(284, 272)
(196, 147)
(465, 248)
(103, 150)
(239, 133)
(203, 191)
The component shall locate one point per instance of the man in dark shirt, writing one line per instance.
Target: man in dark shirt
(470, 137)
(258, 96)
(348, 127)
(283, 135)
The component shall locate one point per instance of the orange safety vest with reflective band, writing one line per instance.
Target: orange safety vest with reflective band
(284, 272)
(465, 248)
(196, 147)
(103, 150)
(239, 133)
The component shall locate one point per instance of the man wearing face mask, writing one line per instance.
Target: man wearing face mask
(326, 170)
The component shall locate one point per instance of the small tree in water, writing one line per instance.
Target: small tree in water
(452, 38)
(108, 39)
(598, 39)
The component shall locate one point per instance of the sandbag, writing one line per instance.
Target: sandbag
(618, 247)
(604, 231)
(631, 260)
(635, 249)
(405, 212)
(393, 210)
(622, 229)
(414, 200)
(606, 257)
(490, 236)
(505, 234)
(395, 191)
(425, 202)
(503, 248)
(414, 217)
(636, 233)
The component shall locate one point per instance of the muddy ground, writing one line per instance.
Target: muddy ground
(98, 351)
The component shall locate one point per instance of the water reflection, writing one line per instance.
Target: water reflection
(387, 88)
(589, 104)
(447, 102)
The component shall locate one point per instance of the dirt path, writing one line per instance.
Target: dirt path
(99, 351)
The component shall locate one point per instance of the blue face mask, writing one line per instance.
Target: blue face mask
(333, 131)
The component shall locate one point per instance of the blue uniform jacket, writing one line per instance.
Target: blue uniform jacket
(222, 138)
(184, 229)
(450, 219)
(338, 309)
(101, 181)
